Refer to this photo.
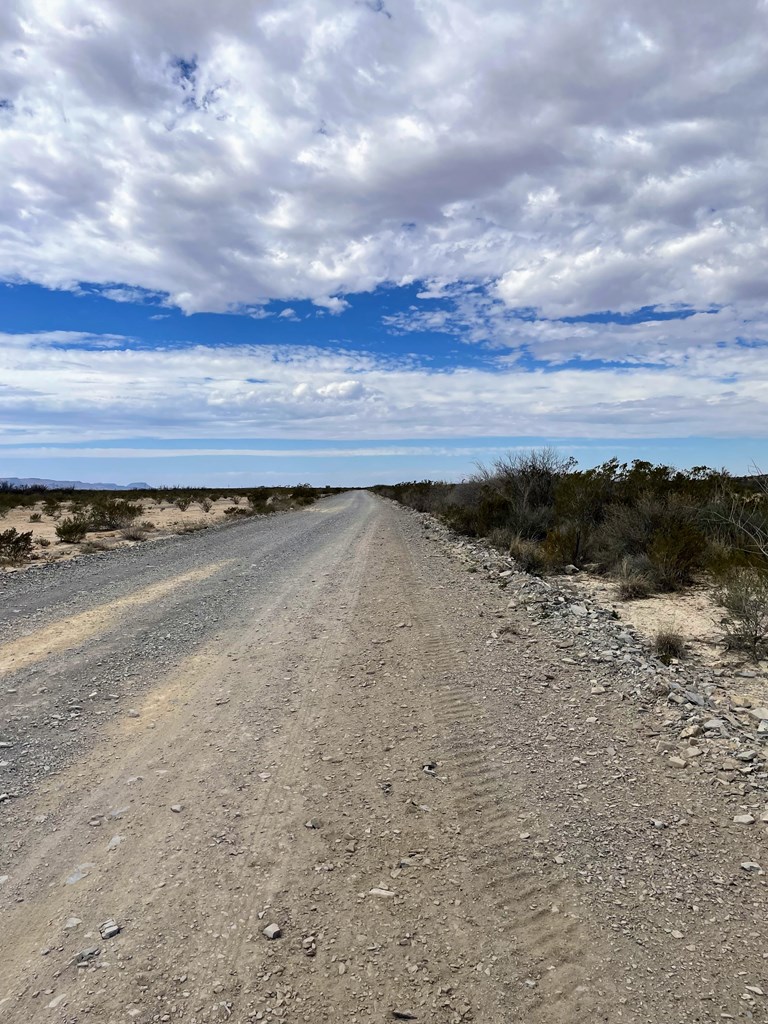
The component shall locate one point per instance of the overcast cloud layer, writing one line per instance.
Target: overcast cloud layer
(525, 162)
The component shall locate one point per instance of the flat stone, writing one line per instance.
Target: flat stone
(177, 808)
(72, 922)
(678, 762)
(750, 865)
(380, 892)
(109, 929)
(744, 819)
(760, 714)
(272, 931)
(714, 723)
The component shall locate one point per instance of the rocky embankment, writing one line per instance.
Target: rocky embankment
(699, 720)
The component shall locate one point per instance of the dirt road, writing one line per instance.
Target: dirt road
(305, 722)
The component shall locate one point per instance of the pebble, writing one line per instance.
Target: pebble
(380, 892)
(678, 762)
(109, 929)
(744, 819)
(72, 922)
(272, 931)
(750, 865)
(177, 808)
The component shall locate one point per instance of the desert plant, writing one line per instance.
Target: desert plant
(743, 594)
(193, 526)
(35, 517)
(51, 506)
(206, 504)
(182, 502)
(147, 524)
(96, 546)
(134, 533)
(675, 551)
(15, 546)
(43, 542)
(633, 580)
(72, 529)
(528, 554)
(113, 513)
(668, 644)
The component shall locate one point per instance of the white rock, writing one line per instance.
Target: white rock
(272, 931)
(744, 819)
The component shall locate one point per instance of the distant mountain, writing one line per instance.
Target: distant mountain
(77, 485)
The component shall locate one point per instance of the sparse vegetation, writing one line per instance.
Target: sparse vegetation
(78, 512)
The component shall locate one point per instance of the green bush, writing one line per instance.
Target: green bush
(113, 514)
(15, 547)
(72, 529)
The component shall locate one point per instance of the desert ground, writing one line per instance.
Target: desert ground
(339, 765)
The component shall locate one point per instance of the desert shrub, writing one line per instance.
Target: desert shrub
(743, 594)
(675, 552)
(72, 529)
(205, 504)
(15, 546)
(134, 533)
(96, 546)
(43, 542)
(35, 517)
(51, 506)
(147, 524)
(528, 554)
(233, 510)
(634, 580)
(113, 513)
(193, 526)
(668, 644)
(500, 537)
(182, 502)
(562, 545)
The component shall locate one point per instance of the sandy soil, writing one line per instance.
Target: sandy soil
(164, 518)
(695, 615)
(439, 815)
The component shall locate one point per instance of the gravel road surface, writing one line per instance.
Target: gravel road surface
(318, 727)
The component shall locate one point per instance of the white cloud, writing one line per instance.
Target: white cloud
(83, 388)
(586, 156)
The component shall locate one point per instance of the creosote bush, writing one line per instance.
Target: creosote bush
(744, 596)
(113, 513)
(15, 547)
(72, 529)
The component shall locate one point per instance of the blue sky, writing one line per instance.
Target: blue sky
(355, 242)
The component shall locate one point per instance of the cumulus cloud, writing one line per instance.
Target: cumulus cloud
(572, 157)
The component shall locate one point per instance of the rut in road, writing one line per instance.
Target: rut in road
(348, 764)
